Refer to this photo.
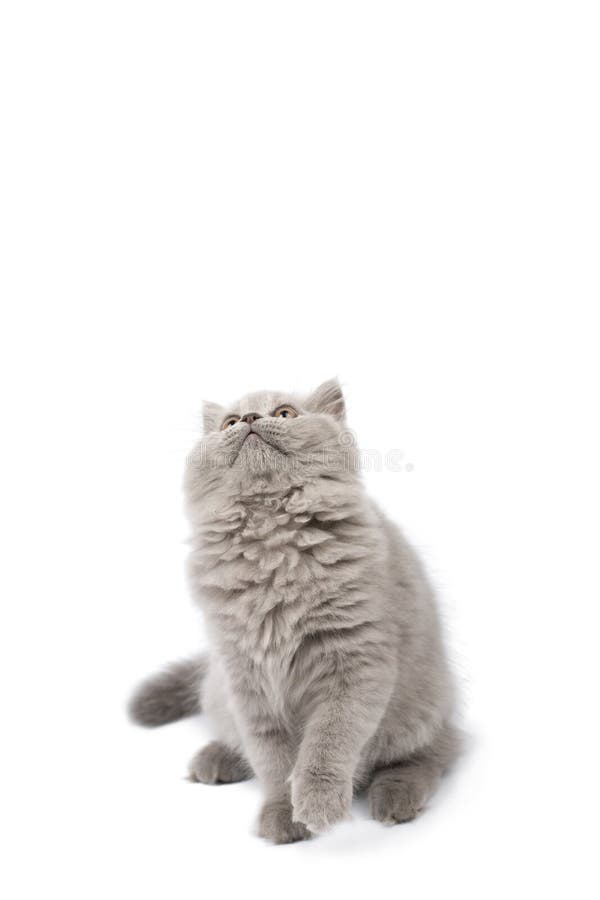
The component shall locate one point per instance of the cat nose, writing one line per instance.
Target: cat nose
(250, 418)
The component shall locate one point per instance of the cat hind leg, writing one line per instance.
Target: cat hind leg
(400, 791)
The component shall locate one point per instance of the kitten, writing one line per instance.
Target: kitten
(326, 672)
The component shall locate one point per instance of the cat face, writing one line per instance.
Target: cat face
(273, 437)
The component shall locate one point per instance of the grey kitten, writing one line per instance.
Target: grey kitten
(326, 672)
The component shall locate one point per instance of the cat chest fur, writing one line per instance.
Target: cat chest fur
(269, 573)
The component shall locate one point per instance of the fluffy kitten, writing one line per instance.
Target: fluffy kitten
(326, 672)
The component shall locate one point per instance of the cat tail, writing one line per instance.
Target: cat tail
(169, 695)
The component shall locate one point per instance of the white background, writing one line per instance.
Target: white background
(199, 199)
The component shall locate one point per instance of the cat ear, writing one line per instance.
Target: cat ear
(328, 398)
(212, 415)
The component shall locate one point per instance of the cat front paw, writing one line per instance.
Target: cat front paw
(276, 824)
(319, 800)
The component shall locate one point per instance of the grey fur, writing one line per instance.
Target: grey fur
(218, 764)
(169, 695)
(327, 671)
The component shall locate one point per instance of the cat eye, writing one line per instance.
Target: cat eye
(285, 412)
(229, 422)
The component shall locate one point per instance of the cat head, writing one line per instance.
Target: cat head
(271, 439)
